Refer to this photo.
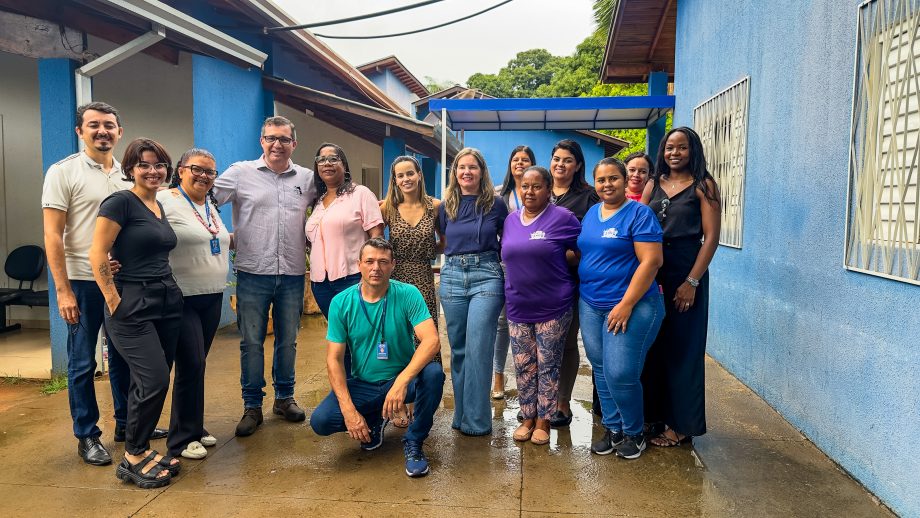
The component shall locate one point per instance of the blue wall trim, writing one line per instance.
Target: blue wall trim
(834, 351)
(228, 115)
(57, 103)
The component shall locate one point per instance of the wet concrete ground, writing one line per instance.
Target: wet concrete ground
(751, 463)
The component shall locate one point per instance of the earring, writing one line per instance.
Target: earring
(347, 176)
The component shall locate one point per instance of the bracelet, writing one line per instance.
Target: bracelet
(693, 282)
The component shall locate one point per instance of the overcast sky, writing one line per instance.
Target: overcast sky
(481, 44)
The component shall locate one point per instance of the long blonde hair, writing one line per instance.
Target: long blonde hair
(395, 196)
(486, 190)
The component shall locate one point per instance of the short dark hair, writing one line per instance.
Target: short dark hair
(616, 162)
(376, 242)
(278, 120)
(99, 107)
(544, 173)
(133, 154)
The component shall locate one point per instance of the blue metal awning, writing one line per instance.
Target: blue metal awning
(559, 113)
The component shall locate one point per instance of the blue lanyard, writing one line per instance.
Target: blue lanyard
(383, 315)
(517, 201)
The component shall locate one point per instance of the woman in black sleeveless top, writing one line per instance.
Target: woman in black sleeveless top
(686, 199)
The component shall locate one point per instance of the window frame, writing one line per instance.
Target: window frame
(732, 217)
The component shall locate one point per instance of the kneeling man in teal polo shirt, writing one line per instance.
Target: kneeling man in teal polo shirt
(378, 320)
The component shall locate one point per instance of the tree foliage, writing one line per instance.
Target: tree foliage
(537, 73)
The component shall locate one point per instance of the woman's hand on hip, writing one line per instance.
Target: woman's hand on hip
(113, 303)
(618, 317)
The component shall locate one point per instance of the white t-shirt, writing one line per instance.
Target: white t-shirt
(77, 185)
(196, 269)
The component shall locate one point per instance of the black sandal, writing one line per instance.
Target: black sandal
(166, 462)
(134, 473)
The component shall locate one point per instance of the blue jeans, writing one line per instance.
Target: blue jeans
(81, 364)
(618, 359)
(472, 295)
(425, 391)
(502, 342)
(324, 292)
(254, 295)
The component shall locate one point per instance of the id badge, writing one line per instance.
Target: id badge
(215, 246)
(382, 352)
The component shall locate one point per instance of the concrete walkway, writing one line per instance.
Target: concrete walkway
(752, 463)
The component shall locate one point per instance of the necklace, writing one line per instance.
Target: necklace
(672, 184)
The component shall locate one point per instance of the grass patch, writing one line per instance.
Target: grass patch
(54, 385)
(11, 380)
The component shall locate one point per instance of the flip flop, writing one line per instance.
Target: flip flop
(663, 441)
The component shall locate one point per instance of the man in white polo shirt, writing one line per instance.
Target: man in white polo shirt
(73, 190)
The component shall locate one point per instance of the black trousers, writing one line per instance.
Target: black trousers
(200, 318)
(673, 379)
(144, 329)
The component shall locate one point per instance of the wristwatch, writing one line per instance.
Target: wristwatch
(693, 282)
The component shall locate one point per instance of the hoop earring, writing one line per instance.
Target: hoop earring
(347, 176)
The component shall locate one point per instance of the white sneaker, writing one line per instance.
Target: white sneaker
(194, 450)
(208, 440)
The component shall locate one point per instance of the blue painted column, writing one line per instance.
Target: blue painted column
(57, 104)
(430, 172)
(228, 108)
(657, 85)
(392, 148)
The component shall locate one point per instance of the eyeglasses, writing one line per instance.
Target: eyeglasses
(145, 167)
(200, 171)
(329, 159)
(664, 206)
(271, 139)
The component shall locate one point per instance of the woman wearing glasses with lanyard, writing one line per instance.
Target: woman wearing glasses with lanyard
(143, 310)
(199, 263)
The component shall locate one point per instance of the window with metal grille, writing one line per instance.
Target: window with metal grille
(882, 230)
(721, 123)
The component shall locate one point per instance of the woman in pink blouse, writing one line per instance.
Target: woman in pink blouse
(344, 217)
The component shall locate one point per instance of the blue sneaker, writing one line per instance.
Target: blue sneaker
(376, 436)
(416, 462)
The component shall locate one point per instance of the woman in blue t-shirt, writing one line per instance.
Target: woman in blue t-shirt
(620, 307)
(472, 285)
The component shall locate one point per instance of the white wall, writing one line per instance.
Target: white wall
(153, 98)
(312, 132)
(20, 169)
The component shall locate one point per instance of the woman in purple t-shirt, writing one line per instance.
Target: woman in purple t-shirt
(539, 292)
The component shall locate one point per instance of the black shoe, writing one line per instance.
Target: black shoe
(158, 433)
(606, 444)
(520, 416)
(252, 418)
(289, 409)
(376, 436)
(559, 420)
(631, 447)
(91, 450)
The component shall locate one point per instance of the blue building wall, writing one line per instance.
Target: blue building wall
(496, 146)
(834, 351)
(57, 103)
(227, 116)
(387, 81)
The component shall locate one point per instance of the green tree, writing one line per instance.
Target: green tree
(537, 73)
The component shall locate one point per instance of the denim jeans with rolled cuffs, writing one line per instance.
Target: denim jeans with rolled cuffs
(255, 293)
(618, 359)
(81, 364)
(472, 295)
